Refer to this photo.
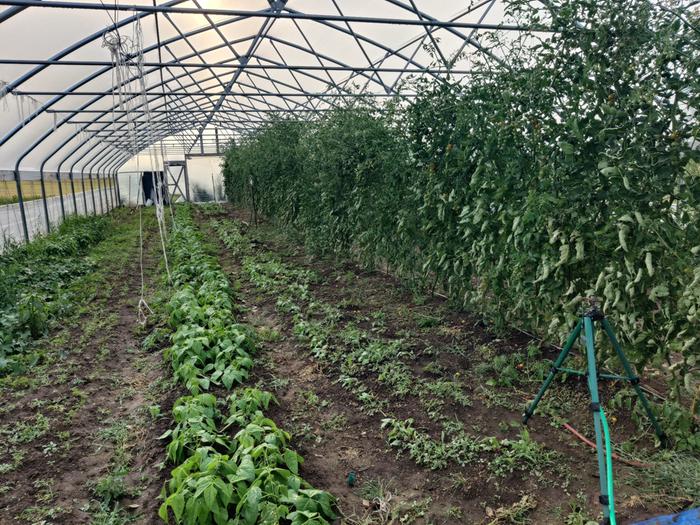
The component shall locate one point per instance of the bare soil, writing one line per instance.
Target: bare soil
(336, 437)
(91, 396)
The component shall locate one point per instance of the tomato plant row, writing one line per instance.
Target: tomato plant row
(568, 173)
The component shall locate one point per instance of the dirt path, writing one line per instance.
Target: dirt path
(82, 438)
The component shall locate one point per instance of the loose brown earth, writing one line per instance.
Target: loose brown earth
(335, 436)
(85, 409)
(90, 397)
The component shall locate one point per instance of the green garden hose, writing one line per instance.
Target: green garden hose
(608, 466)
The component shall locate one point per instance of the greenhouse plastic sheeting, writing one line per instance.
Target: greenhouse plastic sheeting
(688, 517)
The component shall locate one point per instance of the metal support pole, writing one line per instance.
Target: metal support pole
(72, 189)
(634, 380)
(553, 372)
(187, 181)
(60, 193)
(112, 199)
(45, 204)
(92, 192)
(589, 336)
(117, 188)
(20, 201)
(99, 192)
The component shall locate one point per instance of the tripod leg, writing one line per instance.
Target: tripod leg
(589, 335)
(634, 380)
(555, 368)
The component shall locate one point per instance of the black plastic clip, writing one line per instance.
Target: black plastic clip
(595, 314)
(595, 407)
(604, 499)
(634, 380)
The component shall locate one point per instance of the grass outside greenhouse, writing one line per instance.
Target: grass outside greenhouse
(31, 189)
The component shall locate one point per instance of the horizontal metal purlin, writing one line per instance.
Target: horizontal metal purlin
(205, 94)
(47, 4)
(241, 65)
(166, 121)
(168, 111)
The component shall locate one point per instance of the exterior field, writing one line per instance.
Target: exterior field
(31, 189)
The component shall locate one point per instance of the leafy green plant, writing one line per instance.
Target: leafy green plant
(249, 477)
(34, 280)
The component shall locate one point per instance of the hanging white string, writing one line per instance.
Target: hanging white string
(3, 96)
(123, 51)
(158, 198)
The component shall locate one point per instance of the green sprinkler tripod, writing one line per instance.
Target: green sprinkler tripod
(586, 325)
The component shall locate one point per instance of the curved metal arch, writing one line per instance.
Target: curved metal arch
(155, 69)
(13, 85)
(157, 85)
(10, 12)
(107, 112)
(423, 15)
(277, 7)
(194, 32)
(144, 141)
(163, 128)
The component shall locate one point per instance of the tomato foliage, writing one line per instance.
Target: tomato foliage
(567, 172)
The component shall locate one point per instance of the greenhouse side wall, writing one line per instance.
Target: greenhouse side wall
(45, 208)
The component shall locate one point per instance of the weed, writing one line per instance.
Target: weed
(278, 383)
(111, 488)
(335, 423)
(49, 449)
(424, 321)
(577, 514)
(673, 480)
(45, 492)
(397, 376)
(105, 515)
(515, 513)
(434, 368)
(27, 431)
(269, 335)
(451, 390)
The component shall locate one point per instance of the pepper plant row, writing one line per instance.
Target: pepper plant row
(570, 173)
(233, 464)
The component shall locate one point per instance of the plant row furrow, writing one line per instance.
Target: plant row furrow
(354, 355)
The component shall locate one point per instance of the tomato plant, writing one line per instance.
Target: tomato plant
(569, 172)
